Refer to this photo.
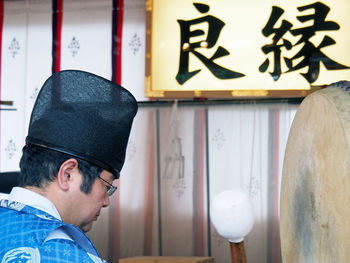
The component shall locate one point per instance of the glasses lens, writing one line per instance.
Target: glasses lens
(111, 190)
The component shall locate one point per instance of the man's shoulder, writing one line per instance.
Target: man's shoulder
(28, 232)
(67, 250)
(23, 226)
(16, 208)
(18, 217)
(53, 251)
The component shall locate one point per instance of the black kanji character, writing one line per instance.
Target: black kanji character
(215, 26)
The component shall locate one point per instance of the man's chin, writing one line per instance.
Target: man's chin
(87, 227)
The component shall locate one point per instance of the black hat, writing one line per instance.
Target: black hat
(85, 116)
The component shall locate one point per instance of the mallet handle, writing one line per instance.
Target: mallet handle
(237, 252)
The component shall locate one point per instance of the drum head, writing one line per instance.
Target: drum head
(315, 194)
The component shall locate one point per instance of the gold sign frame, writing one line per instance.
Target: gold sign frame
(163, 42)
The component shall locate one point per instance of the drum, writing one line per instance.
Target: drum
(315, 193)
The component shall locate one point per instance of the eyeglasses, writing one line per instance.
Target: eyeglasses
(110, 188)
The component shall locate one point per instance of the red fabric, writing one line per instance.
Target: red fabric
(119, 42)
(276, 251)
(149, 190)
(1, 26)
(59, 34)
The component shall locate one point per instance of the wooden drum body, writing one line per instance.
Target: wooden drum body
(315, 194)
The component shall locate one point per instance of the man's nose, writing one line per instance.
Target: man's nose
(106, 201)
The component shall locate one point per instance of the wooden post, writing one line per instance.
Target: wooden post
(237, 252)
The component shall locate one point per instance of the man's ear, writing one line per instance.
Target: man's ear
(64, 173)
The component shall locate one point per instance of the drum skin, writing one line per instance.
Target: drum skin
(315, 193)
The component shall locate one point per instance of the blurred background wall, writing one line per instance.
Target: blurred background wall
(180, 154)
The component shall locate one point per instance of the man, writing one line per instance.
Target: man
(75, 149)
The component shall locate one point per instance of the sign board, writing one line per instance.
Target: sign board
(252, 48)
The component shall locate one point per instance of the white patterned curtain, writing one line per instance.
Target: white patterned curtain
(25, 64)
(246, 148)
(86, 36)
(178, 159)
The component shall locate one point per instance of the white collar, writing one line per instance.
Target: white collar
(27, 197)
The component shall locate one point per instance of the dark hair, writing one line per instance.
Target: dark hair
(40, 166)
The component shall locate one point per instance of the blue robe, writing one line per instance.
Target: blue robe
(23, 234)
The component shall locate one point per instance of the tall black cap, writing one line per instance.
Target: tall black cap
(85, 116)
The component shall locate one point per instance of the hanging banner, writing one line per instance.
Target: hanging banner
(226, 48)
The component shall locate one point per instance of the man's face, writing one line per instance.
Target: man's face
(87, 207)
